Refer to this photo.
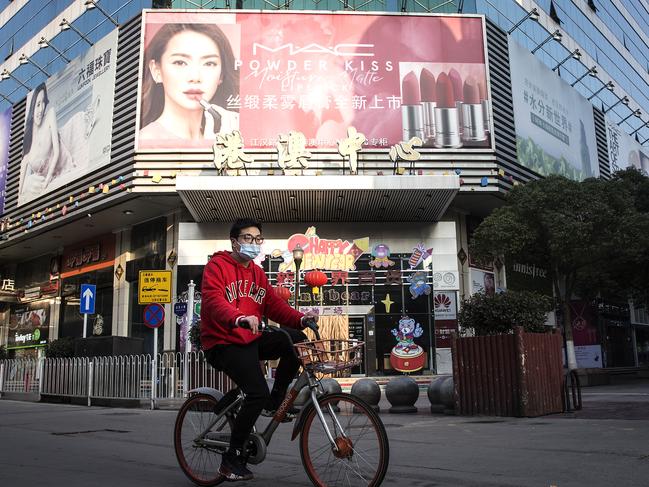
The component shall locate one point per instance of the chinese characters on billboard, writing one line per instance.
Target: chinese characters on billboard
(623, 150)
(555, 130)
(68, 125)
(267, 75)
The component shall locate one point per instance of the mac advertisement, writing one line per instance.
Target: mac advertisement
(555, 129)
(392, 77)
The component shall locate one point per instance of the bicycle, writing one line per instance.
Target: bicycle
(342, 439)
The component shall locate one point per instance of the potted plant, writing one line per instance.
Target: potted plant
(506, 364)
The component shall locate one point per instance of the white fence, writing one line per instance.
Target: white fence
(142, 377)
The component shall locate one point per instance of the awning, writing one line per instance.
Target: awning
(318, 198)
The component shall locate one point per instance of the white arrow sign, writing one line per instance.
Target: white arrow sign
(87, 295)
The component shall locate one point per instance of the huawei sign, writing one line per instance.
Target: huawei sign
(442, 302)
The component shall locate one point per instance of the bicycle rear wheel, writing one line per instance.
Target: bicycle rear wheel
(198, 461)
(363, 449)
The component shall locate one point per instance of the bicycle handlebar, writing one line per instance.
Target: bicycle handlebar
(265, 328)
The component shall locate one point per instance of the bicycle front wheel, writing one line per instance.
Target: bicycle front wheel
(200, 462)
(362, 450)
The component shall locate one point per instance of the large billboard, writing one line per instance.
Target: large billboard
(623, 150)
(5, 133)
(555, 130)
(68, 126)
(391, 77)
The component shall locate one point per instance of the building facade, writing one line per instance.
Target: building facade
(387, 219)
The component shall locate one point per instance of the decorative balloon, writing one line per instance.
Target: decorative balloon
(283, 292)
(315, 279)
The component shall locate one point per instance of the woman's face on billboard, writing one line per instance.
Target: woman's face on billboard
(189, 69)
(39, 107)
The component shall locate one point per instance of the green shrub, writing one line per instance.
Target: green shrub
(498, 314)
(60, 348)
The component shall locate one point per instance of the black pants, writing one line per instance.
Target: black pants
(241, 364)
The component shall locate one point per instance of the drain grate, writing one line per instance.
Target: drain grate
(105, 430)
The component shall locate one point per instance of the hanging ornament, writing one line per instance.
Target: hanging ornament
(315, 279)
(64, 210)
(381, 254)
(387, 302)
(484, 181)
(282, 292)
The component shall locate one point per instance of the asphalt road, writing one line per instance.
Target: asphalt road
(64, 445)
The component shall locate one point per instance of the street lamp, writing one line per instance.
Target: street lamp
(65, 25)
(298, 254)
(43, 43)
(6, 75)
(532, 14)
(90, 4)
(592, 72)
(624, 100)
(609, 86)
(23, 59)
(637, 113)
(576, 54)
(646, 124)
(556, 35)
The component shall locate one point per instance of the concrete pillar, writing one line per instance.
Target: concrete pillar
(121, 287)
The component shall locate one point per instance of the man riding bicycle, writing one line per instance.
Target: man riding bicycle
(235, 295)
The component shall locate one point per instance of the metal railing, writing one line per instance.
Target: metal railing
(137, 377)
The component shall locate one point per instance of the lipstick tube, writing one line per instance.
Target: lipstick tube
(473, 122)
(412, 118)
(447, 117)
(412, 121)
(428, 109)
(486, 114)
(215, 115)
(447, 128)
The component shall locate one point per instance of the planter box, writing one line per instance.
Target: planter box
(508, 375)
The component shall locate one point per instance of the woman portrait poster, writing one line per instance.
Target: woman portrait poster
(190, 82)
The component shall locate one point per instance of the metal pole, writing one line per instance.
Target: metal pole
(190, 314)
(2, 377)
(91, 368)
(85, 324)
(154, 368)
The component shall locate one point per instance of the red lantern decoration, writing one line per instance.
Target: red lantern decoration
(315, 279)
(283, 292)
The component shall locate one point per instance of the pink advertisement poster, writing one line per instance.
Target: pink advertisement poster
(392, 77)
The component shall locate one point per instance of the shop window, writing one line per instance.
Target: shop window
(71, 320)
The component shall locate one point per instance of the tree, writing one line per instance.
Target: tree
(500, 313)
(570, 228)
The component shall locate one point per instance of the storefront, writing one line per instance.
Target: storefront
(379, 284)
(89, 262)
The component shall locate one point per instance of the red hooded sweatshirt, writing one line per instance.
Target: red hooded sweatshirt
(230, 290)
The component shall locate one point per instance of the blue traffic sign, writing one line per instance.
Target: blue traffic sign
(88, 297)
(180, 309)
(154, 315)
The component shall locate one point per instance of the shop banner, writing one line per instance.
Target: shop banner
(68, 126)
(482, 282)
(273, 75)
(5, 133)
(523, 276)
(555, 130)
(445, 305)
(29, 326)
(623, 150)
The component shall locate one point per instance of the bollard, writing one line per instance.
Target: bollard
(434, 394)
(332, 386)
(369, 391)
(402, 393)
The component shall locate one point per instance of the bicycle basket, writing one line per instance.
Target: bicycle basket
(329, 356)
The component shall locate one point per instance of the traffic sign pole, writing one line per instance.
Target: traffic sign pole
(85, 324)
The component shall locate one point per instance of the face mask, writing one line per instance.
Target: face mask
(249, 251)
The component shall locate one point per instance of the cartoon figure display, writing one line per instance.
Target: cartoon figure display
(406, 355)
(419, 254)
(419, 285)
(381, 254)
